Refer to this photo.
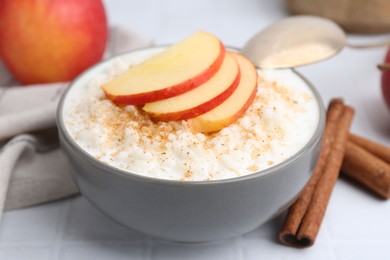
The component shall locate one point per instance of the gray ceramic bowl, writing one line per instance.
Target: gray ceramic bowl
(190, 211)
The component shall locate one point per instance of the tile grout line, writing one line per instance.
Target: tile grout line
(149, 249)
(239, 242)
(57, 243)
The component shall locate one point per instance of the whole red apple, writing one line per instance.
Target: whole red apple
(51, 40)
(386, 79)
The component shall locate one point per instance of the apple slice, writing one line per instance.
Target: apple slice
(180, 68)
(201, 99)
(233, 107)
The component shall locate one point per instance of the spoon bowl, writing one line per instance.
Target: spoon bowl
(295, 41)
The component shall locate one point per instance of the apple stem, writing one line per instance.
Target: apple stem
(385, 66)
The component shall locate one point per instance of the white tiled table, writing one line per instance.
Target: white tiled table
(356, 225)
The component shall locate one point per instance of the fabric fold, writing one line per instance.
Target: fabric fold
(33, 169)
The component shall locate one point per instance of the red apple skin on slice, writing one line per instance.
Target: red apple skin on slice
(233, 107)
(201, 99)
(178, 69)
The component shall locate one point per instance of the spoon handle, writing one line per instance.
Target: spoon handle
(369, 45)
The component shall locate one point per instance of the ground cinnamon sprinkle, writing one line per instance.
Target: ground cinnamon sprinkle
(187, 174)
(270, 128)
(253, 168)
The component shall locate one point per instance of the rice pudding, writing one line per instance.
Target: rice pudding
(280, 121)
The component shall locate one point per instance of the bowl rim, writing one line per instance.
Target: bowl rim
(315, 138)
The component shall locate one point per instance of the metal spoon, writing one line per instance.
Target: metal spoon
(295, 41)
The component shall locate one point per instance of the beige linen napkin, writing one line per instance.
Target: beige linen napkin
(32, 167)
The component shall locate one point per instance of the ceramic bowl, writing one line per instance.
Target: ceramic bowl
(188, 211)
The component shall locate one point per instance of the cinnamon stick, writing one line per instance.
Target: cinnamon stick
(379, 150)
(316, 211)
(368, 169)
(305, 216)
(297, 211)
